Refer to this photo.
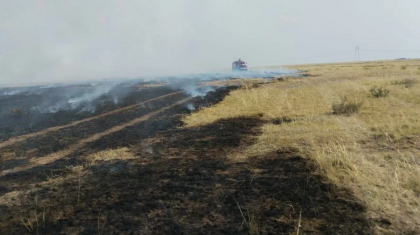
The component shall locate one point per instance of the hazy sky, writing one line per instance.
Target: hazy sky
(54, 40)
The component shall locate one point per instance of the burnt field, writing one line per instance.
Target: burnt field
(131, 167)
(30, 109)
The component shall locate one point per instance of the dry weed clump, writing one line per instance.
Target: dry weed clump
(346, 107)
(408, 82)
(35, 220)
(379, 92)
(374, 153)
(109, 155)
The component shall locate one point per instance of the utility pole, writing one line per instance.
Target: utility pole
(357, 53)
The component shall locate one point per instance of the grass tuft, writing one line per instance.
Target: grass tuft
(248, 219)
(408, 82)
(379, 92)
(112, 154)
(346, 107)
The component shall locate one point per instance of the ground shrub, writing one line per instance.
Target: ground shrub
(408, 82)
(379, 92)
(346, 107)
(403, 67)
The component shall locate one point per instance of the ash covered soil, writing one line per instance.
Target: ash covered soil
(33, 109)
(180, 181)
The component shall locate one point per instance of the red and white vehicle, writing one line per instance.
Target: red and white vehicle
(239, 66)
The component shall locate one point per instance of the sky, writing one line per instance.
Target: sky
(61, 40)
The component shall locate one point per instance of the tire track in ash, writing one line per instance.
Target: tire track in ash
(34, 162)
(56, 128)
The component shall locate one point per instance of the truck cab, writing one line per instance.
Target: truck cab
(239, 66)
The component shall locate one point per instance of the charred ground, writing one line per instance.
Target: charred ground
(180, 181)
(35, 109)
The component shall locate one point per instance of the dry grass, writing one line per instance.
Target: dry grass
(109, 155)
(346, 107)
(79, 172)
(375, 152)
(148, 85)
(234, 82)
(407, 82)
(74, 174)
(36, 218)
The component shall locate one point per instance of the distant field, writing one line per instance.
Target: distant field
(358, 123)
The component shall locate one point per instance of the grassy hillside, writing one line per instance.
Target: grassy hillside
(359, 123)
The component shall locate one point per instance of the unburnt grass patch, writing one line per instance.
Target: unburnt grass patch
(347, 149)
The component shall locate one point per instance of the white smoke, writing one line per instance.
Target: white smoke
(85, 96)
(191, 83)
(191, 107)
(91, 95)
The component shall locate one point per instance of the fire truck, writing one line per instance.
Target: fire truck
(239, 66)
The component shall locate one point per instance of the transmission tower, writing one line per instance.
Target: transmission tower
(357, 54)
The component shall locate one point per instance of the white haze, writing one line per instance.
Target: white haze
(85, 95)
(62, 40)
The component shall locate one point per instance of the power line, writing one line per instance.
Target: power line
(356, 54)
(389, 51)
(339, 53)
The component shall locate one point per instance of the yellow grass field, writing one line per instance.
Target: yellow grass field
(374, 151)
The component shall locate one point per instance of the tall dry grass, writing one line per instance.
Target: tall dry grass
(375, 152)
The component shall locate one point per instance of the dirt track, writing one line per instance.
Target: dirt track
(180, 182)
